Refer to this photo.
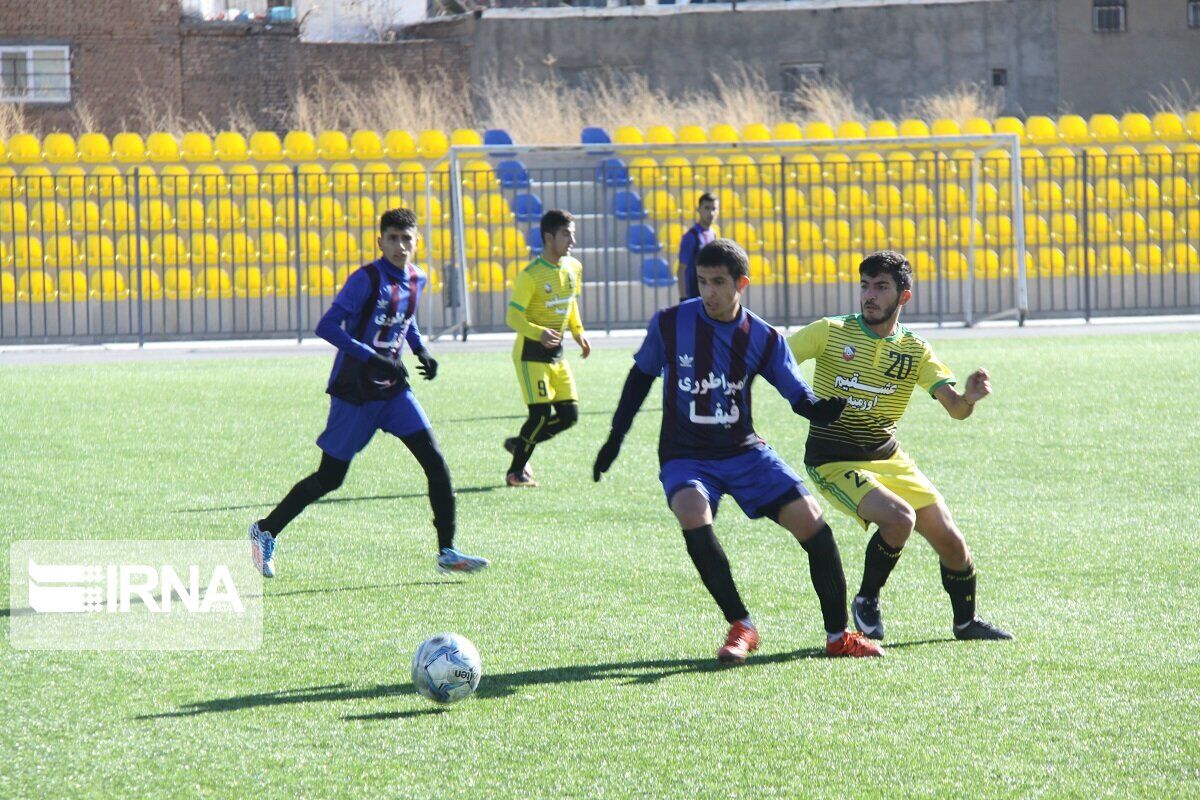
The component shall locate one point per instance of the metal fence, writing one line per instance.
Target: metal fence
(252, 250)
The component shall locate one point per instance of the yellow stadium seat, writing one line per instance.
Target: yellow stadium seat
(189, 212)
(1041, 131)
(10, 185)
(1187, 157)
(94, 148)
(1033, 165)
(837, 233)
(326, 212)
(756, 132)
(215, 282)
(162, 148)
(60, 148)
(320, 280)
(962, 230)
(36, 183)
(882, 129)
(8, 287)
(628, 134)
(914, 128)
(917, 198)
(1105, 129)
(489, 276)
(819, 130)
(676, 172)
(1178, 192)
(1009, 125)
(851, 129)
(888, 199)
(478, 175)
(273, 249)
(661, 204)
(314, 180)
(932, 231)
(156, 215)
(977, 126)
(441, 243)
(823, 199)
(836, 167)
(130, 248)
(708, 170)
(854, 199)
(1073, 129)
(169, 250)
(760, 202)
(660, 134)
(366, 145)
(175, 180)
(1147, 258)
(247, 282)
(205, 250)
(432, 144)
(478, 243)
(1158, 158)
(643, 170)
(24, 148)
(36, 286)
(772, 234)
(1184, 257)
(761, 271)
(118, 216)
(238, 248)
(48, 216)
(1061, 161)
(945, 127)
(344, 179)
(14, 216)
(692, 134)
(492, 209)
(1037, 230)
(787, 132)
(177, 283)
(466, 137)
(1064, 228)
(360, 212)
(333, 145)
(196, 146)
(244, 180)
(265, 146)
(109, 284)
(901, 165)
(99, 251)
(411, 177)
(340, 247)
(824, 268)
(1144, 192)
(399, 144)
(1161, 223)
(1191, 122)
(429, 210)
(807, 234)
(377, 178)
(230, 146)
(60, 252)
(901, 233)
(1131, 225)
(744, 234)
(730, 202)
(1126, 161)
(299, 146)
(1137, 128)
(209, 181)
(72, 285)
(869, 234)
(509, 243)
(870, 166)
(723, 134)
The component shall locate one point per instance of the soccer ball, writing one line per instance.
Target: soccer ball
(446, 668)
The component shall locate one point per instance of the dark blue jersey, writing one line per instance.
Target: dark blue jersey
(689, 247)
(707, 368)
(373, 313)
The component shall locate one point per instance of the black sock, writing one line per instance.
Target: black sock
(329, 476)
(961, 588)
(566, 414)
(540, 415)
(441, 490)
(713, 566)
(881, 560)
(828, 578)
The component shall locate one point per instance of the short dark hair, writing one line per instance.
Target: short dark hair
(397, 218)
(725, 253)
(891, 262)
(555, 220)
(707, 197)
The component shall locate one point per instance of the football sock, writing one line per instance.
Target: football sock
(713, 566)
(834, 637)
(961, 588)
(441, 490)
(327, 478)
(880, 561)
(749, 623)
(540, 415)
(825, 569)
(566, 414)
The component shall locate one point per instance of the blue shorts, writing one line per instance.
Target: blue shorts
(760, 481)
(350, 427)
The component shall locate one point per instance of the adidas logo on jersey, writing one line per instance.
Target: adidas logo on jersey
(685, 361)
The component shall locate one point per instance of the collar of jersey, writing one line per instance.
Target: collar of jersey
(392, 269)
(547, 263)
(875, 335)
(735, 321)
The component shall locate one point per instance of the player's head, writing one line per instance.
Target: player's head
(707, 209)
(885, 286)
(398, 235)
(558, 234)
(722, 273)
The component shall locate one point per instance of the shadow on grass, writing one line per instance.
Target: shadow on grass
(412, 496)
(364, 588)
(630, 673)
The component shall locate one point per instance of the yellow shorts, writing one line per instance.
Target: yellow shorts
(846, 483)
(545, 383)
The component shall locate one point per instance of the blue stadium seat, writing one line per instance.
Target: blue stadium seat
(595, 136)
(657, 272)
(642, 239)
(612, 172)
(496, 136)
(528, 207)
(513, 174)
(533, 238)
(628, 205)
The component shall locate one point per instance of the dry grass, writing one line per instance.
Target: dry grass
(1180, 99)
(394, 101)
(828, 100)
(963, 102)
(13, 120)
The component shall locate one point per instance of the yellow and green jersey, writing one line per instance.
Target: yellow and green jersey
(876, 376)
(545, 296)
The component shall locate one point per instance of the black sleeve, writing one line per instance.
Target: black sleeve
(633, 394)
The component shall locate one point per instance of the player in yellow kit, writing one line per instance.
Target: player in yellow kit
(856, 462)
(544, 304)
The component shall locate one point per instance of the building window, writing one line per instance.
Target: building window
(999, 77)
(1108, 16)
(1194, 13)
(35, 74)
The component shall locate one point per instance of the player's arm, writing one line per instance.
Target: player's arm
(648, 363)
(781, 371)
(427, 365)
(517, 319)
(349, 304)
(809, 341)
(687, 248)
(575, 323)
(961, 406)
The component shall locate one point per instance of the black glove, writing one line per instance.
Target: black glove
(387, 369)
(822, 412)
(607, 455)
(427, 365)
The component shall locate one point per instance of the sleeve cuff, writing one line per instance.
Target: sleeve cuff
(945, 382)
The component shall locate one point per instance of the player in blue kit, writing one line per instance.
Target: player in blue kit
(709, 350)
(369, 322)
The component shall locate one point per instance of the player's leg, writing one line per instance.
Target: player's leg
(935, 523)
(565, 401)
(802, 517)
(894, 519)
(690, 501)
(522, 445)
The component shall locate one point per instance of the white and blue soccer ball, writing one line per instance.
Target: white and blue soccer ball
(446, 668)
